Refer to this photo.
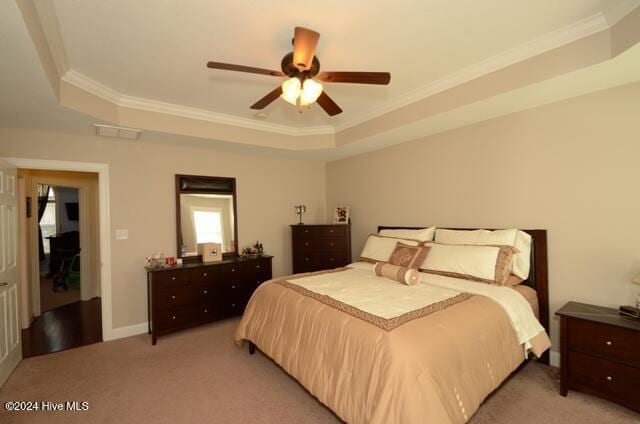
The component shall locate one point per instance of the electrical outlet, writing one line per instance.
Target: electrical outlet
(122, 234)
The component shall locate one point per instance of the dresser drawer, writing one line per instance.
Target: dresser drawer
(306, 244)
(231, 287)
(232, 306)
(207, 274)
(233, 272)
(186, 315)
(330, 244)
(259, 270)
(332, 231)
(606, 341)
(610, 379)
(302, 230)
(183, 295)
(171, 278)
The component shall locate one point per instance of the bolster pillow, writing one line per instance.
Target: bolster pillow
(403, 275)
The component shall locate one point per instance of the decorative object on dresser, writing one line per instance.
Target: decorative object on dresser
(318, 247)
(193, 294)
(206, 212)
(599, 353)
(636, 280)
(300, 209)
(341, 215)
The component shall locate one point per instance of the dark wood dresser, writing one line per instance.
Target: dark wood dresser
(193, 294)
(600, 353)
(318, 247)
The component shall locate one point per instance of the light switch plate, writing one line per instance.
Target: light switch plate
(122, 234)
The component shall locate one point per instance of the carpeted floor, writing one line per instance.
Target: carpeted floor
(199, 376)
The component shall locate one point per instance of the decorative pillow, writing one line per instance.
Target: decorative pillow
(423, 234)
(379, 248)
(403, 275)
(490, 264)
(513, 280)
(516, 238)
(408, 256)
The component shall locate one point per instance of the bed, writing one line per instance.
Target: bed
(431, 364)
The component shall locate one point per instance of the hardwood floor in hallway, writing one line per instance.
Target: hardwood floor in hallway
(66, 327)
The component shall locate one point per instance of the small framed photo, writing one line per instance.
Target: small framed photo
(341, 215)
(211, 252)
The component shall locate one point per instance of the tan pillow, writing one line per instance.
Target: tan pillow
(513, 280)
(403, 275)
(489, 264)
(408, 256)
(379, 248)
(422, 234)
(516, 238)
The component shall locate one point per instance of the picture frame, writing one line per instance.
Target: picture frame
(341, 215)
(210, 252)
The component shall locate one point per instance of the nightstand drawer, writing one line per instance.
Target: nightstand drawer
(610, 379)
(605, 341)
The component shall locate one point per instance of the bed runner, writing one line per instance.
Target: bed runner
(385, 323)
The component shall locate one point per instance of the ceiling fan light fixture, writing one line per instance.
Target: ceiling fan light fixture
(311, 90)
(291, 90)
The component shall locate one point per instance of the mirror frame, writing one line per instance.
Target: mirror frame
(200, 184)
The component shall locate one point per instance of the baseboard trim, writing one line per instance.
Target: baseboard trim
(128, 331)
(554, 358)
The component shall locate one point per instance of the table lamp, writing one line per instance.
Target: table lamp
(636, 280)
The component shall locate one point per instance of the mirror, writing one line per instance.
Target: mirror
(206, 213)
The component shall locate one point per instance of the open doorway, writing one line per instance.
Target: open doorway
(60, 274)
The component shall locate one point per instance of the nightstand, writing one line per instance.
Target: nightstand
(600, 353)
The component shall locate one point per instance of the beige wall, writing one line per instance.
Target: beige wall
(570, 167)
(142, 198)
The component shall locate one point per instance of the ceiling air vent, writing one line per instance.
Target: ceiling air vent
(119, 132)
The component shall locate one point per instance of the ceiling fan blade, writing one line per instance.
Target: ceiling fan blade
(242, 68)
(328, 104)
(266, 100)
(305, 42)
(380, 78)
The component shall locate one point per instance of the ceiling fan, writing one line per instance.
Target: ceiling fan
(303, 69)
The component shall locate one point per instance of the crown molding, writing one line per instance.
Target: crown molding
(85, 83)
(529, 49)
(615, 14)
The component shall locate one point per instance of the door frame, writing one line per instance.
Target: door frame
(86, 279)
(102, 169)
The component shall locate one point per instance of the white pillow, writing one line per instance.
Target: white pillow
(422, 234)
(516, 238)
(379, 248)
(491, 264)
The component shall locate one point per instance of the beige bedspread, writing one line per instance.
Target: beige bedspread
(433, 369)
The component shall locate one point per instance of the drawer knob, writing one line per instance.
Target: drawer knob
(331, 259)
(233, 305)
(173, 317)
(331, 244)
(307, 259)
(205, 274)
(233, 287)
(233, 270)
(331, 231)
(173, 297)
(258, 266)
(609, 378)
(205, 311)
(173, 278)
(608, 343)
(204, 291)
(306, 231)
(306, 244)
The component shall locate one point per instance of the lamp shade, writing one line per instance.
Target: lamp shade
(636, 279)
(311, 90)
(291, 89)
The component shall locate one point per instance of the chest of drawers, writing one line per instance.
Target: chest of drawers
(195, 294)
(600, 353)
(318, 247)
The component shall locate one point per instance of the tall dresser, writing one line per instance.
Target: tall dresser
(318, 247)
(193, 294)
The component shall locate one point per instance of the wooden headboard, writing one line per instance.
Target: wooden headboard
(538, 274)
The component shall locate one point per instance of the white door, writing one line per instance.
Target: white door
(10, 347)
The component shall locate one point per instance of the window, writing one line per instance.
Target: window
(48, 221)
(208, 226)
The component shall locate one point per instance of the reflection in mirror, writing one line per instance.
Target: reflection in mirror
(207, 218)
